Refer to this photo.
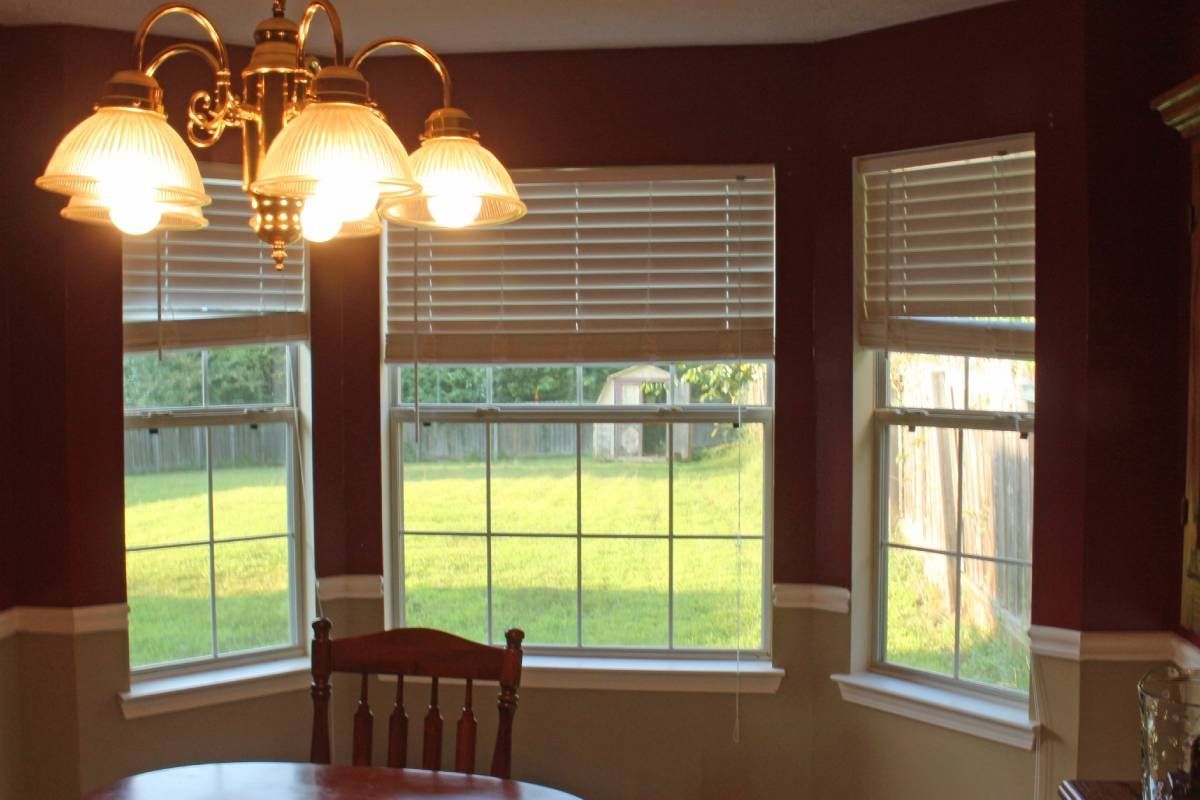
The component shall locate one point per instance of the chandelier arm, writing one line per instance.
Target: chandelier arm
(335, 23)
(433, 58)
(198, 16)
(180, 48)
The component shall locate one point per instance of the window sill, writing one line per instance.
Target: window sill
(606, 673)
(995, 720)
(650, 674)
(152, 696)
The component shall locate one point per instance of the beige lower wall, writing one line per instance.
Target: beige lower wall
(69, 735)
(11, 746)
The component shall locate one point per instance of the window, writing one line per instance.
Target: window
(601, 514)
(212, 467)
(585, 450)
(947, 269)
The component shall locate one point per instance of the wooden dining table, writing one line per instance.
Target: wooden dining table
(288, 781)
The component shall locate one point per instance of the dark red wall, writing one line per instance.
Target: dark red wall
(1110, 272)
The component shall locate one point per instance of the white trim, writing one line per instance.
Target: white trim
(1110, 645)
(9, 622)
(723, 676)
(1186, 655)
(811, 595)
(350, 587)
(70, 621)
(1055, 642)
(994, 720)
(154, 696)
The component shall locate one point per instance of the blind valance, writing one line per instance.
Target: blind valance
(626, 264)
(947, 249)
(216, 286)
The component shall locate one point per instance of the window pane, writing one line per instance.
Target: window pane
(922, 380)
(922, 486)
(172, 382)
(251, 375)
(640, 384)
(253, 601)
(707, 486)
(623, 484)
(995, 621)
(747, 383)
(445, 478)
(920, 610)
(708, 576)
(997, 495)
(533, 385)
(534, 589)
(169, 613)
(250, 480)
(166, 486)
(1001, 384)
(533, 478)
(445, 584)
(625, 584)
(445, 384)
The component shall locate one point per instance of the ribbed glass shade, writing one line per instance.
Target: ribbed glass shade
(174, 218)
(336, 142)
(117, 147)
(456, 171)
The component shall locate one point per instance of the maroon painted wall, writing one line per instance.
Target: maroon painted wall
(1110, 389)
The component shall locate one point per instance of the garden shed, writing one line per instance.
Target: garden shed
(637, 440)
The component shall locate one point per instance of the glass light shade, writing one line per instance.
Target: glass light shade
(338, 149)
(172, 218)
(462, 185)
(120, 153)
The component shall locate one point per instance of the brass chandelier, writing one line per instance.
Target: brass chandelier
(318, 157)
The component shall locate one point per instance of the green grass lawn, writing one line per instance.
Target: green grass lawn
(623, 595)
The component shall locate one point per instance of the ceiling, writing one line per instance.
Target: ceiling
(510, 25)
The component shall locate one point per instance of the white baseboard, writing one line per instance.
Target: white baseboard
(811, 595)
(1147, 646)
(64, 621)
(350, 587)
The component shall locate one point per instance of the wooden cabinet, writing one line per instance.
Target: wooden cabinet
(1180, 108)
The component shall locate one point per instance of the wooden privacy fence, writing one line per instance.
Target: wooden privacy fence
(997, 496)
(465, 441)
(169, 449)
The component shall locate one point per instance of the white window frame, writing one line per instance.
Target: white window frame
(216, 416)
(579, 414)
(886, 416)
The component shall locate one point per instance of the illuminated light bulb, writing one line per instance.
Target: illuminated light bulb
(320, 220)
(454, 209)
(355, 197)
(131, 206)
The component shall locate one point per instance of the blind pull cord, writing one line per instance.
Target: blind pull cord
(158, 293)
(740, 433)
(416, 354)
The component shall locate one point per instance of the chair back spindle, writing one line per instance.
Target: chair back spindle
(398, 729)
(417, 652)
(464, 750)
(431, 757)
(363, 722)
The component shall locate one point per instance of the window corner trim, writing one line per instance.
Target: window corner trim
(152, 696)
(995, 720)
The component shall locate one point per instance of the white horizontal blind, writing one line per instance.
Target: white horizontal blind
(947, 254)
(610, 264)
(216, 286)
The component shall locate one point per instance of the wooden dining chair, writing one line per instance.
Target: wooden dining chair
(416, 652)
